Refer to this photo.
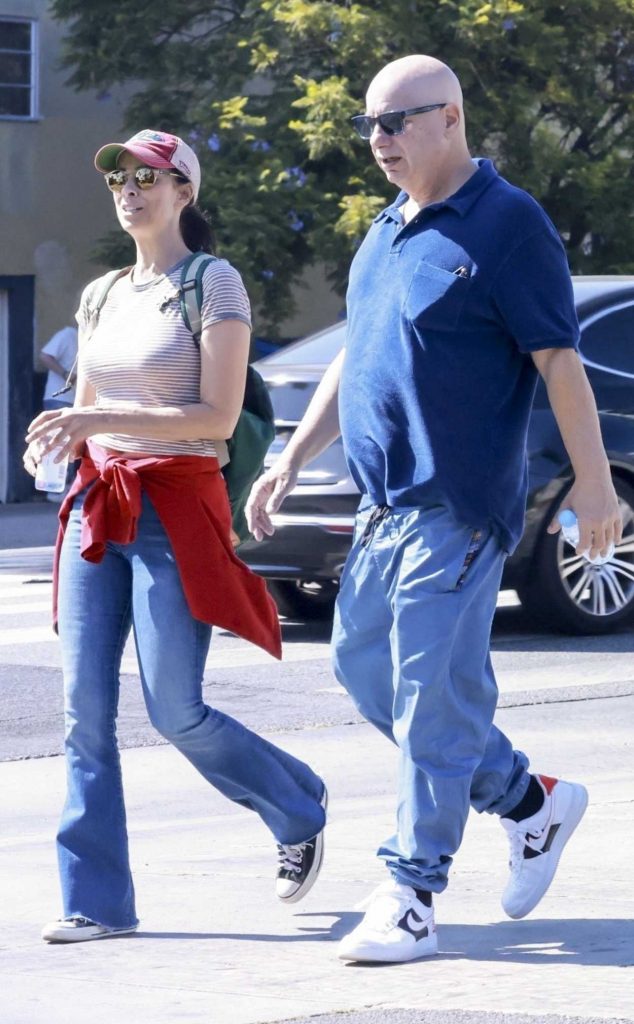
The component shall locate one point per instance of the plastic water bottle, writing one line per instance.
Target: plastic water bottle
(50, 475)
(570, 532)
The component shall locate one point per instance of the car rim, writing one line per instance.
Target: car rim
(600, 590)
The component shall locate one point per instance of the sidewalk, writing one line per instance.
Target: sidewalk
(30, 524)
(215, 947)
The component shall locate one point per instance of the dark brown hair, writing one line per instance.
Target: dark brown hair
(196, 230)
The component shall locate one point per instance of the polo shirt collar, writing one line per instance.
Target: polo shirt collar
(461, 201)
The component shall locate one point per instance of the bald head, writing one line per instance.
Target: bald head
(414, 80)
(428, 158)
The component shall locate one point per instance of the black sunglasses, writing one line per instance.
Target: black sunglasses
(392, 122)
(145, 177)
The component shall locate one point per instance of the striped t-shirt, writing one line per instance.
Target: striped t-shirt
(142, 354)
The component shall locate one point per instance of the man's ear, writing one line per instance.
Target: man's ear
(453, 117)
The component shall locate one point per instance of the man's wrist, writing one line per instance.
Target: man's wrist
(287, 463)
(598, 473)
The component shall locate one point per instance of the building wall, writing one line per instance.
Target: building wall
(317, 305)
(53, 205)
(53, 210)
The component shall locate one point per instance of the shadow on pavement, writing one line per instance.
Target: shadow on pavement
(576, 941)
(346, 921)
(303, 631)
(514, 631)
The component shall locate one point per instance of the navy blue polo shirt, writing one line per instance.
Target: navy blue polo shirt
(438, 381)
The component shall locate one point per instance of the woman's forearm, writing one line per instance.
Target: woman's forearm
(166, 423)
(69, 429)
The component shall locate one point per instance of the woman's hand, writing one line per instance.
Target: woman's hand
(31, 457)
(66, 429)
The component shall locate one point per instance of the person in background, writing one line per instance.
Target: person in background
(459, 295)
(145, 544)
(58, 356)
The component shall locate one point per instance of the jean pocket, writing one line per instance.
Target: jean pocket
(476, 543)
(361, 521)
(435, 297)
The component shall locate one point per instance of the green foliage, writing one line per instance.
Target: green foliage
(263, 90)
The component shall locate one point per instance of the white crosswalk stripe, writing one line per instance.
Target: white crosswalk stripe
(24, 596)
(34, 561)
(29, 594)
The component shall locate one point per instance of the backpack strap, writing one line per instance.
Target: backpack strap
(94, 311)
(108, 281)
(190, 295)
(190, 292)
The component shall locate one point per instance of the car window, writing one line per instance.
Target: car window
(607, 349)
(317, 349)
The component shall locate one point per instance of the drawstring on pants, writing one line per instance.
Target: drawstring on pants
(377, 516)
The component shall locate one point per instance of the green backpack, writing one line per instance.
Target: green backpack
(242, 455)
(255, 429)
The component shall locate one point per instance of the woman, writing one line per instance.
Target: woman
(145, 543)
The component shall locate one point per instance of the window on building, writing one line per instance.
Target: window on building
(17, 68)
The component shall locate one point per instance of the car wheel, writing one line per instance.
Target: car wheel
(304, 599)
(564, 591)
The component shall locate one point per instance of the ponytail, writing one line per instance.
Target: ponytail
(196, 230)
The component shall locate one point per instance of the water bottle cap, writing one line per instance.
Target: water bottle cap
(567, 517)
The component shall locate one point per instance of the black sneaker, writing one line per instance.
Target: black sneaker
(299, 865)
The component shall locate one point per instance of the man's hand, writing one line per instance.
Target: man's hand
(596, 507)
(267, 494)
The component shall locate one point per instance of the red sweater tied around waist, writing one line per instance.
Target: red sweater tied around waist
(190, 498)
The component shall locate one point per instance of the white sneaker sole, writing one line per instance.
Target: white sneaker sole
(576, 811)
(66, 936)
(311, 877)
(380, 954)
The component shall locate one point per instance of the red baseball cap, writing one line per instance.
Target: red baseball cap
(156, 149)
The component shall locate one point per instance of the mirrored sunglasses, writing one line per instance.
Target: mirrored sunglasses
(144, 177)
(392, 122)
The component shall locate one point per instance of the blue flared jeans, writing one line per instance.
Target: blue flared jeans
(138, 586)
(411, 646)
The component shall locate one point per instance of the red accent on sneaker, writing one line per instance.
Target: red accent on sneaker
(548, 782)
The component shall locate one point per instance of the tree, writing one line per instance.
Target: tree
(264, 91)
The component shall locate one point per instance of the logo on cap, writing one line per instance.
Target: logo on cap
(151, 136)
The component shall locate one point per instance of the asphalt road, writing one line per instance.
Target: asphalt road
(301, 692)
(566, 700)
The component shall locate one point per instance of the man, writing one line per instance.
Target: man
(58, 356)
(458, 295)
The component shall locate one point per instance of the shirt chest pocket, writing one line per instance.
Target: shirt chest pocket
(435, 297)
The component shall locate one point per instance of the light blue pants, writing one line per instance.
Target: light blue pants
(411, 646)
(138, 585)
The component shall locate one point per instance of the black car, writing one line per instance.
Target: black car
(304, 558)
